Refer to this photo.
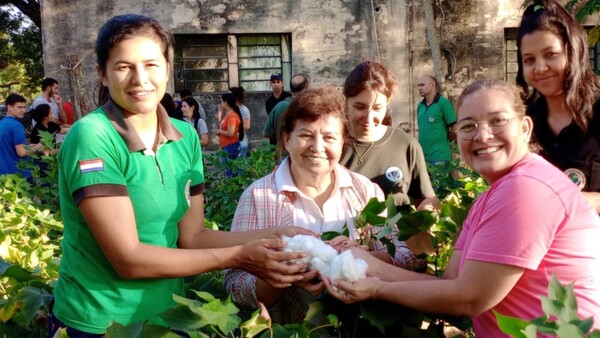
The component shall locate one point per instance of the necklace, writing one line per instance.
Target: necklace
(361, 156)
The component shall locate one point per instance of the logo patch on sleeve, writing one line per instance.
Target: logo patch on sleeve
(90, 166)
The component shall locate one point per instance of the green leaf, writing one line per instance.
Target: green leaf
(157, 331)
(117, 330)
(8, 310)
(374, 206)
(204, 295)
(255, 325)
(511, 325)
(569, 331)
(15, 272)
(182, 318)
(594, 334)
(313, 309)
(287, 331)
(586, 325)
(384, 314)
(329, 235)
(223, 316)
(32, 299)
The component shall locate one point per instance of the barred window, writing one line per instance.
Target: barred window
(213, 63)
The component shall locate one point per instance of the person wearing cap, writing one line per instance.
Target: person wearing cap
(278, 95)
(298, 83)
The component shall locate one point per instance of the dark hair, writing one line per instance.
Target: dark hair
(513, 92)
(14, 98)
(299, 82)
(122, 27)
(185, 93)
(169, 105)
(370, 75)
(229, 98)
(48, 82)
(238, 92)
(580, 83)
(40, 112)
(195, 110)
(311, 105)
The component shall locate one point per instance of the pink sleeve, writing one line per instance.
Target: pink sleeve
(517, 223)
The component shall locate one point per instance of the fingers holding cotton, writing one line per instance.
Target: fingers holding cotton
(324, 258)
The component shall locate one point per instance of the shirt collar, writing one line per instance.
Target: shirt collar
(123, 126)
(436, 99)
(285, 185)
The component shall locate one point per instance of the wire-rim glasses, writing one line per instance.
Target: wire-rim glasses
(466, 129)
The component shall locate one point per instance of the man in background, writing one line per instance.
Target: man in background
(298, 83)
(13, 142)
(435, 116)
(50, 97)
(277, 96)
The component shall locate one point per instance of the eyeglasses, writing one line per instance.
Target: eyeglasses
(467, 129)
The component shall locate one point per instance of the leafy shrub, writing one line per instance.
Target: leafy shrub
(29, 247)
(222, 193)
(560, 317)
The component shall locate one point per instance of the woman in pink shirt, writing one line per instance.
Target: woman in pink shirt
(532, 223)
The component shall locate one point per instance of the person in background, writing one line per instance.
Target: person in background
(238, 92)
(435, 116)
(184, 94)
(191, 114)
(171, 107)
(69, 112)
(564, 104)
(51, 97)
(278, 95)
(309, 189)
(532, 223)
(13, 142)
(388, 156)
(230, 128)
(131, 185)
(42, 116)
(272, 128)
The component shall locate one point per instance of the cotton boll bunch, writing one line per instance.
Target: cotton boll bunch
(321, 256)
(344, 266)
(318, 253)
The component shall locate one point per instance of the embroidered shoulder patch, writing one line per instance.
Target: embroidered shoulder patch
(89, 166)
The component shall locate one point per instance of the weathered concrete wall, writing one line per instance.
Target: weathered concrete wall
(471, 40)
(329, 37)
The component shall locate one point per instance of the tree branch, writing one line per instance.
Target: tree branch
(30, 8)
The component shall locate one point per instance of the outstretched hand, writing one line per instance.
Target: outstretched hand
(292, 231)
(352, 292)
(263, 259)
(342, 243)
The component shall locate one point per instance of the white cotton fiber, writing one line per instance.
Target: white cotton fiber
(323, 257)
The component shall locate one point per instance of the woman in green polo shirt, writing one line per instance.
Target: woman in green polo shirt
(131, 192)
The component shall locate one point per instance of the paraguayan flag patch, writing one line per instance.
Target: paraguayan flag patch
(89, 166)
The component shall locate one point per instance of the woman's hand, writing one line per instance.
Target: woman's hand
(342, 243)
(352, 292)
(311, 282)
(263, 259)
(291, 231)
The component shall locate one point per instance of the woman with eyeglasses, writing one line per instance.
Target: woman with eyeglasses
(531, 224)
(554, 61)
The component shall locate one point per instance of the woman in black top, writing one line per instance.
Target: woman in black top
(41, 115)
(553, 60)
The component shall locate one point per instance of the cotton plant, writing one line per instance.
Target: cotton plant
(324, 258)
